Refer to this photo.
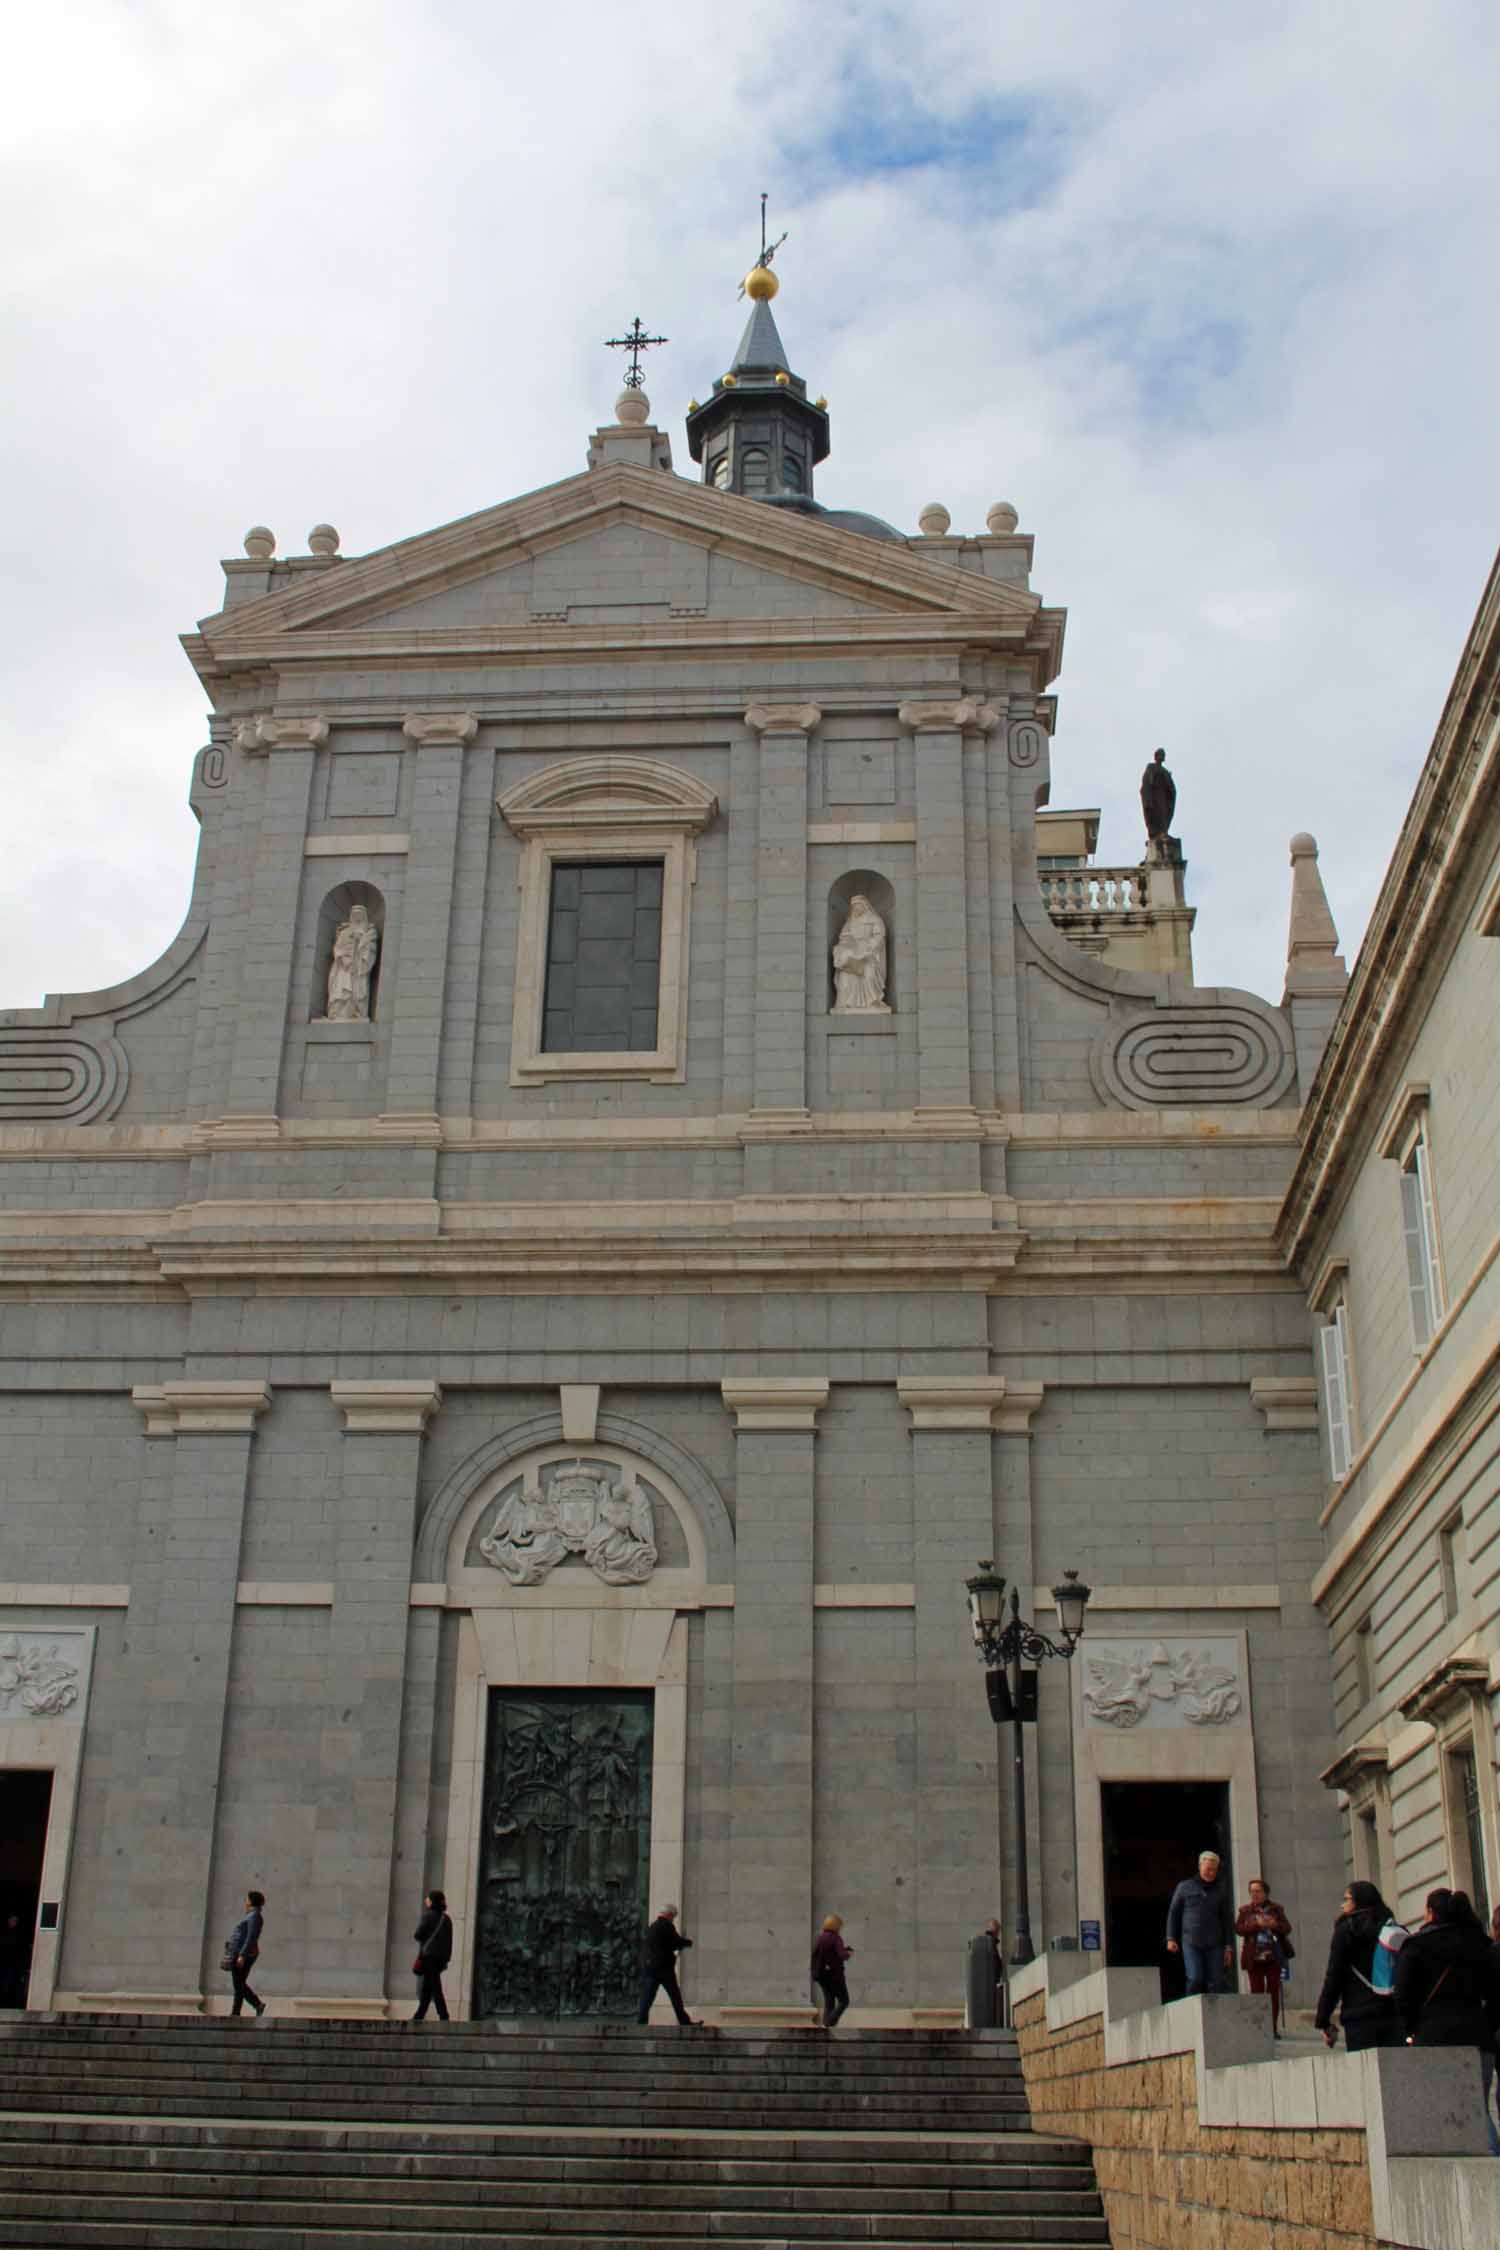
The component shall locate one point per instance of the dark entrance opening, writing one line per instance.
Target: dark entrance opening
(25, 1801)
(565, 1852)
(1153, 1833)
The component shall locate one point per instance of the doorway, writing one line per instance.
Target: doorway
(565, 1852)
(1153, 1834)
(25, 1803)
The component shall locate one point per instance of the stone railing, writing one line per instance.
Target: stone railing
(1203, 2132)
(1092, 890)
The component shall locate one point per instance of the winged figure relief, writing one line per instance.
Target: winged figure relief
(1207, 1695)
(1119, 1689)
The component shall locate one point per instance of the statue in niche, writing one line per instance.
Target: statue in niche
(355, 945)
(859, 962)
(581, 1512)
(1158, 803)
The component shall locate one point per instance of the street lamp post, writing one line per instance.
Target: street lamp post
(1003, 1646)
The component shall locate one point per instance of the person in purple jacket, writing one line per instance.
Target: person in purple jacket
(829, 1954)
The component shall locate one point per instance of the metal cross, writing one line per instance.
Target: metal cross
(635, 341)
(768, 250)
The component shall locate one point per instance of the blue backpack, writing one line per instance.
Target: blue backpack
(1382, 1977)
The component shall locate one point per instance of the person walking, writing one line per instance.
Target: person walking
(243, 1951)
(829, 1955)
(1447, 1988)
(1366, 2008)
(1267, 1947)
(434, 1936)
(664, 1941)
(1200, 1926)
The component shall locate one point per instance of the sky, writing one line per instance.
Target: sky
(1208, 293)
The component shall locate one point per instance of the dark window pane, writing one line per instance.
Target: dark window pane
(610, 914)
(643, 1030)
(608, 875)
(564, 941)
(648, 934)
(564, 887)
(606, 964)
(648, 884)
(645, 977)
(603, 947)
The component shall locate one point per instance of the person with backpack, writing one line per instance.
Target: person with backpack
(1447, 1989)
(1361, 1974)
(434, 1936)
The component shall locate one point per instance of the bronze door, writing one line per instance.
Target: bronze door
(565, 1852)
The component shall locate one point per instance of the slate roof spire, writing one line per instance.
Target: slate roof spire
(759, 434)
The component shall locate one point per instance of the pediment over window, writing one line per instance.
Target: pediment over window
(608, 791)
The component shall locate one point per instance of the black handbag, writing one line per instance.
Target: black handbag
(230, 1957)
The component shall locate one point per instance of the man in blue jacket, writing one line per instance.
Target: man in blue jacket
(1200, 1926)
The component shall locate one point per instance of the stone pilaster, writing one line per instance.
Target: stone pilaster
(354, 1841)
(771, 1800)
(944, 1072)
(264, 994)
(176, 1679)
(780, 1074)
(415, 1007)
(957, 1871)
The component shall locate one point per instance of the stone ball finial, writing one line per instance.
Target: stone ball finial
(323, 540)
(1002, 519)
(260, 544)
(1304, 846)
(934, 520)
(632, 408)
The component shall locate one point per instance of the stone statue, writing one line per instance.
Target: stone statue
(1158, 799)
(355, 946)
(859, 962)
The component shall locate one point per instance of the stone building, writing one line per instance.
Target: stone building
(1391, 1221)
(517, 1327)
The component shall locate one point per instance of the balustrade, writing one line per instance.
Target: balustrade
(1092, 890)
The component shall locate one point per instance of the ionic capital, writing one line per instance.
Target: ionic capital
(775, 1403)
(394, 1408)
(273, 732)
(429, 728)
(197, 1409)
(782, 718)
(967, 716)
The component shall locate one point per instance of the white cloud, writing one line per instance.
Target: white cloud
(1210, 297)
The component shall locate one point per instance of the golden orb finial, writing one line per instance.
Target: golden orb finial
(761, 283)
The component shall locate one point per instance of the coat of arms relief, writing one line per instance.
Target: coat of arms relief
(600, 1513)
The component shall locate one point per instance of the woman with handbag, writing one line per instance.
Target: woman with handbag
(1447, 1989)
(1268, 1945)
(243, 1950)
(434, 1936)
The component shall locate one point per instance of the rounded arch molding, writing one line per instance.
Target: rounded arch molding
(686, 1473)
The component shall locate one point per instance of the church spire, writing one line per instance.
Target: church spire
(759, 434)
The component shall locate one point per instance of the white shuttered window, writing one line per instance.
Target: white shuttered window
(1419, 1218)
(1338, 1391)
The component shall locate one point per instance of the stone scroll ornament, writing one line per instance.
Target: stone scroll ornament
(581, 1512)
(355, 946)
(1121, 1690)
(34, 1680)
(859, 963)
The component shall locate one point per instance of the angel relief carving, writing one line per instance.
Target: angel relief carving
(1128, 1685)
(602, 1515)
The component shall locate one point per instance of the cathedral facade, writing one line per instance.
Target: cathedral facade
(630, 1183)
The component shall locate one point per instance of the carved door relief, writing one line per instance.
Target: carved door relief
(565, 1849)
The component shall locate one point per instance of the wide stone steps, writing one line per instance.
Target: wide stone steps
(470, 2136)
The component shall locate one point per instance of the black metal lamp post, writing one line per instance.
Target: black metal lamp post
(1003, 1646)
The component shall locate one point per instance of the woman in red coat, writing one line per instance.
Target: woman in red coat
(1265, 1929)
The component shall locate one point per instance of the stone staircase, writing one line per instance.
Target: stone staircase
(278, 2135)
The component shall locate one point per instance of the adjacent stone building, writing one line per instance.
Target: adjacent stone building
(1391, 1220)
(515, 1329)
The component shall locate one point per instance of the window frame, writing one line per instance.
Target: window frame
(604, 806)
(1406, 1141)
(1335, 1360)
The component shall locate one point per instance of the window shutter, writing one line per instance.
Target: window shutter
(1416, 1254)
(1335, 1393)
(1423, 1162)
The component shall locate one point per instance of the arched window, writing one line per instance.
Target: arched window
(755, 470)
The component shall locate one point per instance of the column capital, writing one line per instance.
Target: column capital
(782, 718)
(969, 1402)
(1288, 1402)
(274, 732)
(775, 1402)
(192, 1409)
(429, 728)
(966, 716)
(386, 1406)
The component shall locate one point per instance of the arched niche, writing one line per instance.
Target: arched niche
(863, 882)
(332, 914)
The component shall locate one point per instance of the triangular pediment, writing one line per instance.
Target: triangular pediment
(614, 546)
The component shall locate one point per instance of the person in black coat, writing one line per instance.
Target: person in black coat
(242, 1952)
(1446, 1989)
(434, 1936)
(1368, 2017)
(664, 1941)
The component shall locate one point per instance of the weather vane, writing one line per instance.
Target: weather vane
(768, 250)
(635, 341)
